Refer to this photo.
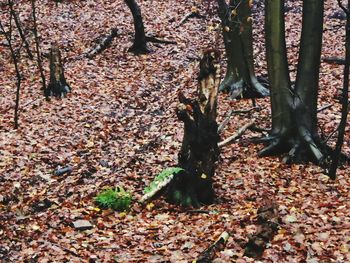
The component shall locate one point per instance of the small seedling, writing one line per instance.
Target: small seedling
(117, 199)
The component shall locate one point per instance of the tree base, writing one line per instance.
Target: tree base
(188, 190)
(58, 85)
(298, 150)
(240, 89)
(140, 49)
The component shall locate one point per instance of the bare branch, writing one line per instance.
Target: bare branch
(238, 134)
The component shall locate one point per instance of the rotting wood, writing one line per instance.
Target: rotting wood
(104, 43)
(199, 151)
(208, 254)
(268, 222)
(58, 85)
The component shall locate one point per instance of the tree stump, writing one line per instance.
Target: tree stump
(199, 151)
(58, 85)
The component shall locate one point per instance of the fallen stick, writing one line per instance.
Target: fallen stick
(193, 14)
(208, 254)
(334, 60)
(324, 107)
(104, 43)
(231, 112)
(238, 134)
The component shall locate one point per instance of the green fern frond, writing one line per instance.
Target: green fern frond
(117, 199)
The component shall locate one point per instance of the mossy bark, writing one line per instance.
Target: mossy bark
(199, 151)
(294, 110)
(240, 79)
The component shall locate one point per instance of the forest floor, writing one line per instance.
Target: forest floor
(118, 127)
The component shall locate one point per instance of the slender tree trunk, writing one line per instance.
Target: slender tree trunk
(240, 77)
(20, 31)
(294, 111)
(140, 42)
(37, 46)
(345, 98)
(8, 37)
(199, 151)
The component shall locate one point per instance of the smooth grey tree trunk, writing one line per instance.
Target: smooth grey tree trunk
(240, 79)
(294, 110)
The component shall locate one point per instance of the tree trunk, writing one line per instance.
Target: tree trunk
(199, 151)
(140, 42)
(58, 85)
(345, 97)
(240, 79)
(294, 111)
(37, 46)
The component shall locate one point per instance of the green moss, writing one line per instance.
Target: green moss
(161, 178)
(117, 199)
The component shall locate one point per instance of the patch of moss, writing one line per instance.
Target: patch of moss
(161, 178)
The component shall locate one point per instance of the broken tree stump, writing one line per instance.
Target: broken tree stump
(58, 85)
(199, 151)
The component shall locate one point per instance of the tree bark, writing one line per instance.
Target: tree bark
(8, 36)
(199, 151)
(294, 111)
(20, 31)
(58, 85)
(240, 79)
(37, 46)
(345, 97)
(140, 42)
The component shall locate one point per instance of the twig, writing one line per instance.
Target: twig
(345, 96)
(334, 60)
(238, 134)
(20, 31)
(198, 211)
(231, 112)
(324, 107)
(225, 122)
(37, 45)
(346, 11)
(192, 14)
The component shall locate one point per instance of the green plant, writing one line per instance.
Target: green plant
(117, 199)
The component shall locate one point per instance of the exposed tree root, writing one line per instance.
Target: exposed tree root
(140, 49)
(154, 39)
(299, 149)
(240, 89)
(106, 41)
